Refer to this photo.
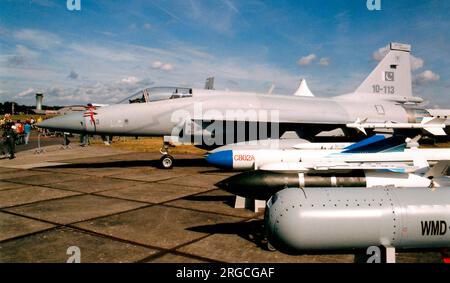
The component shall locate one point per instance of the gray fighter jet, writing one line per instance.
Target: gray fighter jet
(210, 118)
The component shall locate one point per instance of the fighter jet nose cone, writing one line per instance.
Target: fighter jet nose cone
(42, 124)
(67, 123)
(222, 159)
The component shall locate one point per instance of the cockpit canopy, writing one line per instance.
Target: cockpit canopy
(157, 93)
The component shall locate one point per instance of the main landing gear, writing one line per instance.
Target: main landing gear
(166, 160)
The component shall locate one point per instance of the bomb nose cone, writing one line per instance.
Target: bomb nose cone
(223, 185)
(67, 123)
(221, 159)
(255, 184)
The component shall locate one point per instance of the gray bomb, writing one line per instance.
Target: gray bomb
(355, 218)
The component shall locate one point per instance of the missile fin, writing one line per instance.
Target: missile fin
(439, 169)
(434, 125)
(421, 164)
(365, 142)
(432, 121)
(435, 131)
(392, 144)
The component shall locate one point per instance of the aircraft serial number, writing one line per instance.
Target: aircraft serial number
(383, 89)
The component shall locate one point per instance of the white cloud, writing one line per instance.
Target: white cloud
(324, 61)
(98, 92)
(130, 80)
(379, 54)
(162, 66)
(157, 64)
(416, 62)
(39, 38)
(25, 92)
(198, 53)
(109, 81)
(426, 77)
(147, 26)
(167, 67)
(306, 60)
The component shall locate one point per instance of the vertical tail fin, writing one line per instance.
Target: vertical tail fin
(392, 76)
(209, 84)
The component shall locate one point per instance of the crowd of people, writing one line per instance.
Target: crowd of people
(15, 133)
(18, 132)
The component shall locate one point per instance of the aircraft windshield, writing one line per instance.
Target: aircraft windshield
(158, 93)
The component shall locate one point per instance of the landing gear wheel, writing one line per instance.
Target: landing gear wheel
(270, 247)
(166, 161)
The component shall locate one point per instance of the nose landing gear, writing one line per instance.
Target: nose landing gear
(166, 160)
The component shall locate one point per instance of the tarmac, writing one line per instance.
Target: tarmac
(117, 206)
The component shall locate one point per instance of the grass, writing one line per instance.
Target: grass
(439, 145)
(148, 144)
(25, 117)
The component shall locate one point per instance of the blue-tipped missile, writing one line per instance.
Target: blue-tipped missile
(243, 156)
(355, 218)
(373, 149)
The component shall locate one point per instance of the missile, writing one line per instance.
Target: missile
(242, 156)
(261, 185)
(432, 125)
(305, 160)
(362, 155)
(354, 218)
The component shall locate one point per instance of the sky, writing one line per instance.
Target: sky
(110, 49)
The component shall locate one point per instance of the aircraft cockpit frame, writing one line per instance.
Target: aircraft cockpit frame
(153, 94)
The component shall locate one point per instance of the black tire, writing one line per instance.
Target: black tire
(166, 161)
